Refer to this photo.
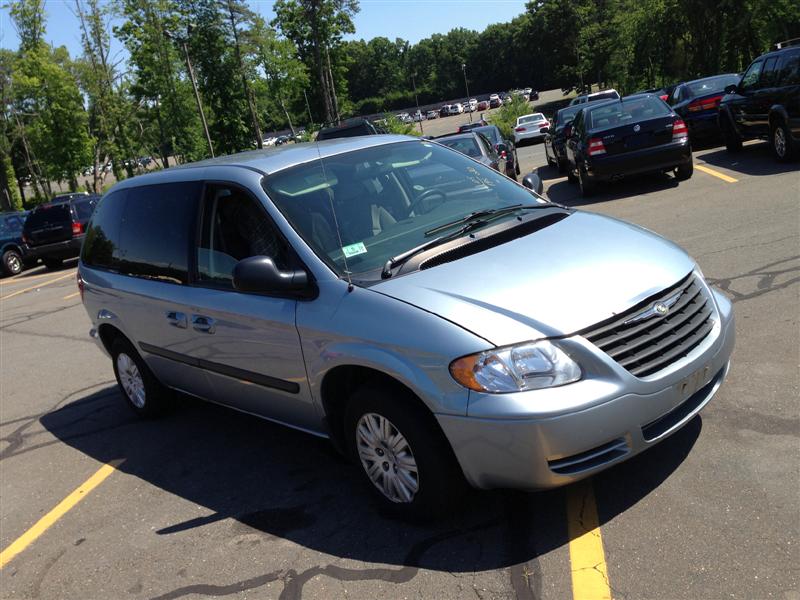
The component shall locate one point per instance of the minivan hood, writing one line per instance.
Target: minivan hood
(556, 281)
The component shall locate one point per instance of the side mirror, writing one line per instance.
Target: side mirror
(259, 274)
(502, 147)
(533, 182)
(730, 89)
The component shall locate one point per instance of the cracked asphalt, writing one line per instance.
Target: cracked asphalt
(211, 503)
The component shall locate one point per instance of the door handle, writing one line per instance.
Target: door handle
(177, 319)
(204, 324)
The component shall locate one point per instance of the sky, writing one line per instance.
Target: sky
(411, 20)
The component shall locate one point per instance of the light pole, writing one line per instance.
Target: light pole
(414, 85)
(182, 42)
(466, 85)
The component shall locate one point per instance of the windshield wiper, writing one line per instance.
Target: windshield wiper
(398, 260)
(487, 212)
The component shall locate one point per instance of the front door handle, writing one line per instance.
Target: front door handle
(177, 319)
(204, 324)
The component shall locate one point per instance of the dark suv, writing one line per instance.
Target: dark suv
(11, 246)
(55, 231)
(765, 104)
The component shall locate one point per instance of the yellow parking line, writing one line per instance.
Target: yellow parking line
(27, 538)
(588, 561)
(67, 297)
(722, 176)
(24, 278)
(38, 285)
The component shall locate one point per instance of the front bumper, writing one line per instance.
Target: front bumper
(667, 156)
(548, 438)
(66, 249)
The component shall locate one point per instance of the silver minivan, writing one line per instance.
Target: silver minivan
(438, 322)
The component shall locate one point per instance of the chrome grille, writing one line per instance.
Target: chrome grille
(644, 342)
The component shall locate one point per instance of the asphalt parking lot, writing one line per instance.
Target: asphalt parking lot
(210, 503)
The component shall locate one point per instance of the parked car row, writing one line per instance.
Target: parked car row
(50, 232)
(601, 137)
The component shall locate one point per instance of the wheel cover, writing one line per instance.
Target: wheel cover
(14, 263)
(779, 140)
(131, 380)
(387, 458)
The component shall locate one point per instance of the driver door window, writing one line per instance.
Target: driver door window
(234, 227)
(750, 79)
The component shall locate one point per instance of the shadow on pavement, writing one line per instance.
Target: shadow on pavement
(258, 476)
(568, 194)
(753, 159)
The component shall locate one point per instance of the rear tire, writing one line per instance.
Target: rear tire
(404, 457)
(142, 392)
(684, 172)
(53, 263)
(733, 143)
(587, 186)
(571, 176)
(12, 262)
(781, 142)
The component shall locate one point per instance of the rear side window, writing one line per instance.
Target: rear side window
(48, 215)
(84, 209)
(101, 244)
(156, 228)
(750, 78)
(790, 72)
(768, 73)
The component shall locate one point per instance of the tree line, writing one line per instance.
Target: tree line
(62, 114)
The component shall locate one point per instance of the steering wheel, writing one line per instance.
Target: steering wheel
(424, 197)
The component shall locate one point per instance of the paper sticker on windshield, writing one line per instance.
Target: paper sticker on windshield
(354, 249)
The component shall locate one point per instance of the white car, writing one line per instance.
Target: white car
(471, 105)
(529, 127)
(603, 95)
(405, 117)
(456, 109)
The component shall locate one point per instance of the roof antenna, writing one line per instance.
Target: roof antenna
(335, 219)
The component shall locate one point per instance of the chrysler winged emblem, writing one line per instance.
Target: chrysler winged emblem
(659, 309)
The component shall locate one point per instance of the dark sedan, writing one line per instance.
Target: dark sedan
(474, 145)
(636, 134)
(554, 149)
(697, 103)
(505, 148)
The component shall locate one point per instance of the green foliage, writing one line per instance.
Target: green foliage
(394, 125)
(506, 117)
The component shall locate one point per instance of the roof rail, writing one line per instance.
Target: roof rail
(787, 43)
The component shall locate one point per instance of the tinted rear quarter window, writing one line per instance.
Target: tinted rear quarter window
(790, 72)
(84, 209)
(101, 244)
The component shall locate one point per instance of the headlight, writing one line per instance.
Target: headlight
(530, 366)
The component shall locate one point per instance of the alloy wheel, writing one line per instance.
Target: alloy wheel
(131, 380)
(779, 142)
(387, 458)
(14, 264)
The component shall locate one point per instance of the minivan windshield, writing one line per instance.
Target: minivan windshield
(384, 199)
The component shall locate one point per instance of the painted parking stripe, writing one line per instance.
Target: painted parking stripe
(711, 171)
(62, 508)
(68, 296)
(586, 555)
(38, 285)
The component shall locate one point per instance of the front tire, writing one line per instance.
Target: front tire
(142, 392)
(407, 462)
(781, 142)
(12, 262)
